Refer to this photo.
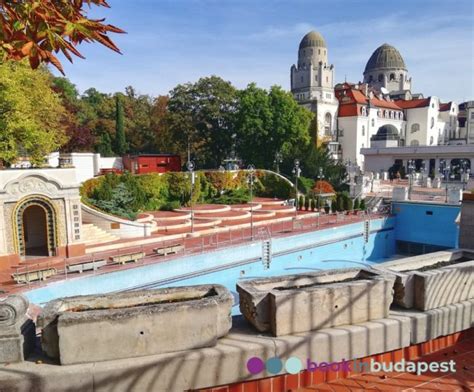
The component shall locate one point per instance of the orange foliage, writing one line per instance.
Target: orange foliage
(323, 187)
(36, 29)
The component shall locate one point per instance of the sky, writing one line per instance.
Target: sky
(177, 41)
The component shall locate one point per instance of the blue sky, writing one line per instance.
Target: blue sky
(176, 41)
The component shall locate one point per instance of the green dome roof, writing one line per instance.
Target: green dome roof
(311, 40)
(385, 56)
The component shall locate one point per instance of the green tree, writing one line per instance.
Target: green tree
(362, 205)
(268, 122)
(120, 143)
(31, 114)
(356, 204)
(201, 115)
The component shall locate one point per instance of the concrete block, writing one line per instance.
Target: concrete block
(426, 282)
(299, 303)
(438, 322)
(17, 331)
(400, 193)
(137, 323)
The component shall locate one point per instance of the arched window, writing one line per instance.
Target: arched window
(415, 143)
(385, 113)
(380, 77)
(401, 76)
(432, 122)
(373, 123)
(400, 115)
(319, 51)
(415, 127)
(363, 111)
(327, 124)
(371, 78)
(392, 76)
(431, 140)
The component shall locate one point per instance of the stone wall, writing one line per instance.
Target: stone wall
(466, 232)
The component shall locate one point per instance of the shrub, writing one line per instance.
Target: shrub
(323, 187)
(305, 185)
(170, 206)
(300, 202)
(306, 203)
(326, 208)
(356, 204)
(313, 204)
(340, 202)
(362, 205)
(237, 196)
(333, 206)
(272, 185)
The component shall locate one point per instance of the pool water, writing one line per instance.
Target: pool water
(338, 247)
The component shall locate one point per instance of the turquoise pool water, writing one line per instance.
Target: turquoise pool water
(338, 247)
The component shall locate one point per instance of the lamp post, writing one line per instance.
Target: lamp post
(190, 166)
(251, 179)
(277, 161)
(411, 169)
(446, 171)
(320, 177)
(296, 172)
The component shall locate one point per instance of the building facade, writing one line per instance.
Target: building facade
(380, 112)
(151, 163)
(40, 214)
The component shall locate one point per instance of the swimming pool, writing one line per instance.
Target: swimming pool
(337, 247)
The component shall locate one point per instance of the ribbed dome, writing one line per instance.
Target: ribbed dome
(385, 56)
(312, 39)
(386, 132)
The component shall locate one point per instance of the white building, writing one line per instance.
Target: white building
(312, 83)
(381, 112)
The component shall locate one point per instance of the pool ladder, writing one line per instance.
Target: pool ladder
(366, 230)
(266, 253)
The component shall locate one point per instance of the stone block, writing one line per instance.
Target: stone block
(300, 303)
(137, 323)
(17, 331)
(432, 280)
(400, 193)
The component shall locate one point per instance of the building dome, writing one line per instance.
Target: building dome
(386, 132)
(311, 40)
(385, 57)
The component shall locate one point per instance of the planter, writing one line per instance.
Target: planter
(433, 280)
(298, 303)
(122, 325)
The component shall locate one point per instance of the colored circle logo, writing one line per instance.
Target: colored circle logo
(293, 365)
(274, 365)
(255, 365)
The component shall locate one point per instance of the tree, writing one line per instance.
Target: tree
(104, 146)
(362, 205)
(356, 204)
(120, 143)
(36, 29)
(31, 114)
(75, 121)
(201, 115)
(270, 122)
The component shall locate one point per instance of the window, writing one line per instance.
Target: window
(362, 145)
(363, 130)
(302, 79)
(385, 113)
(316, 78)
(392, 76)
(401, 76)
(371, 78)
(432, 122)
(373, 122)
(415, 143)
(363, 111)
(327, 79)
(415, 128)
(431, 140)
(327, 124)
(380, 77)
(325, 53)
(341, 132)
(472, 115)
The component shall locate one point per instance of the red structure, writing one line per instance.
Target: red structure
(151, 163)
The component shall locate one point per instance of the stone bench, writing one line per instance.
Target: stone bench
(169, 249)
(305, 302)
(31, 276)
(92, 265)
(122, 259)
(137, 323)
